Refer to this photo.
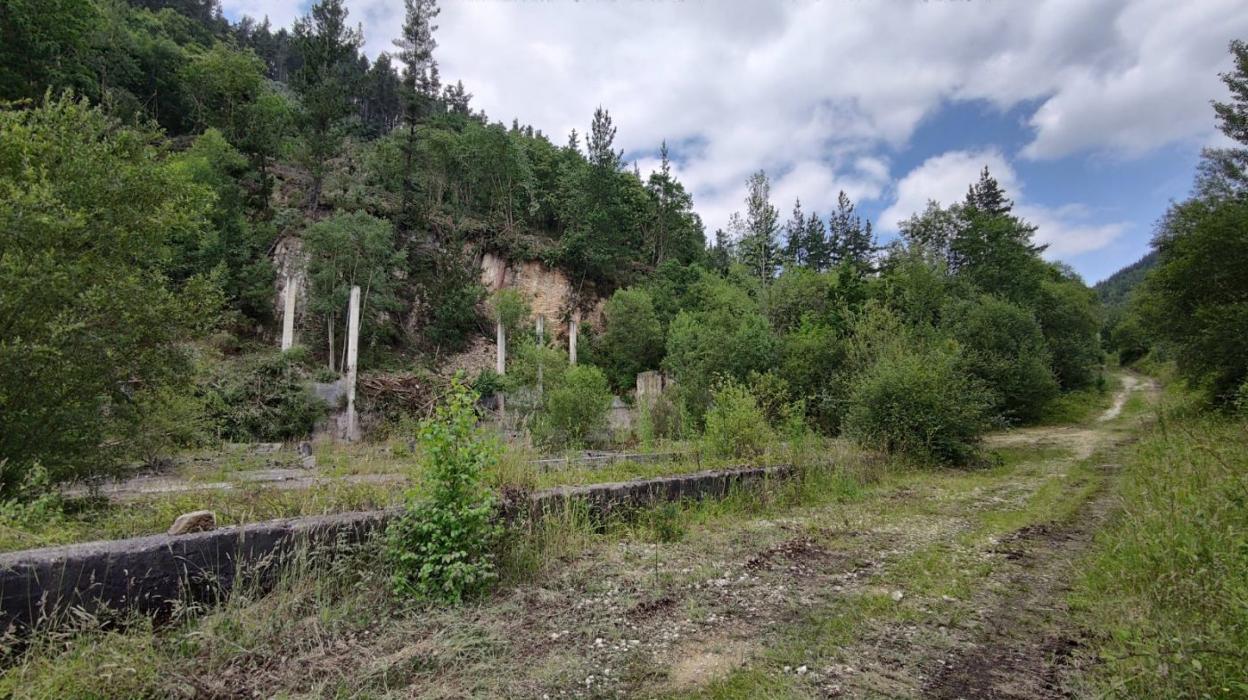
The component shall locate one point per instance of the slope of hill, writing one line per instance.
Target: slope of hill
(1114, 291)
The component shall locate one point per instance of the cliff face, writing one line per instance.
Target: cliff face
(548, 290)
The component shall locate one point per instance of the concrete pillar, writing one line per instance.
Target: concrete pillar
(288, 315)
(541, 329)
(573, 326)
(353, 347)
(500, 364)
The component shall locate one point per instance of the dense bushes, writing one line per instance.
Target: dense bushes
(919, 403)
(574, 408)
(1004, 347)
(1196, 300)
(93, 326)
(264, 397)
(632, 337)
(735, 424)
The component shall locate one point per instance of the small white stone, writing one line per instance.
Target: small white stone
(898, 595)
(801, 670)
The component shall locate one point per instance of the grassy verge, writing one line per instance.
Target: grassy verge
(1165, 595)
(87, 519)
(353, 638)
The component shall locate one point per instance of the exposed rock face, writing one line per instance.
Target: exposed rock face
(548, 290)
(195, 521)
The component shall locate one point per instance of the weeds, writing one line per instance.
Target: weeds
(1164, 594)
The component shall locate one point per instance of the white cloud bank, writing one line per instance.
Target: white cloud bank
(815, 91)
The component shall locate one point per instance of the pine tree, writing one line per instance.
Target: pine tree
(758, 247)
(818, 254)
(574, 142)
(457, 99)
(328, 47)
(601, 139)
(987, 196)
(418, 92)
(797, 246)
(850, 241)
(676, 232)
(1233, 115)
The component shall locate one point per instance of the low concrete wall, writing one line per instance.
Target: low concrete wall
(153, 574)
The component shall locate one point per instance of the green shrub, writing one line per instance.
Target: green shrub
(509, 307)
(811, 357)
(659, 419)
(441, 547)
(573, 408)
(264, 397)
(1004, 347)
(632, 337)
(735, 424)
(919, 403)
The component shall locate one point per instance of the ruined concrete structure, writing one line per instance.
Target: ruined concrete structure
(154, 574)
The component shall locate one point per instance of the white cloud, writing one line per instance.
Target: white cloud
(1065, 229)
(814, 91)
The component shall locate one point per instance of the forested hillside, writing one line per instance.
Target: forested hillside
(1115, 291)
(170, 153)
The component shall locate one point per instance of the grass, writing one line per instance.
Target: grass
(1165, 594)
(1082, 405)
(90, 519)
(85, 519)
(335, 630)
(327, 609)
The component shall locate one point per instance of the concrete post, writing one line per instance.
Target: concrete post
(541, 329)
(500, 364)
(573, 327)
(288, 316)
(353, 347)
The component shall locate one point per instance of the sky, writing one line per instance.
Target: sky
(1091, 113)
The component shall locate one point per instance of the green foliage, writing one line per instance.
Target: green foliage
(800, 293)
(659, 419)
(632, 337)
(735, 424)
(349, 250)
(30, 500)
(327, 45)
(1004, 347)
(574, 407)
(44, 43)
(88, 313)
(917, 402)
(721, 333)
(441, 547)
(812, 359)
(1163, 589)
(1068, 314)
(510, 308)
(231, 244)
(263, 397)
(1196, 299)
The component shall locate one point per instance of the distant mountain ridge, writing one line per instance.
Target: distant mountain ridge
(1114, 291)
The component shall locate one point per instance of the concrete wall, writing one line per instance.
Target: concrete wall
(152, 574)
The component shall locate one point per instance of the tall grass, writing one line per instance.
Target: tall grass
(1166, 592)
